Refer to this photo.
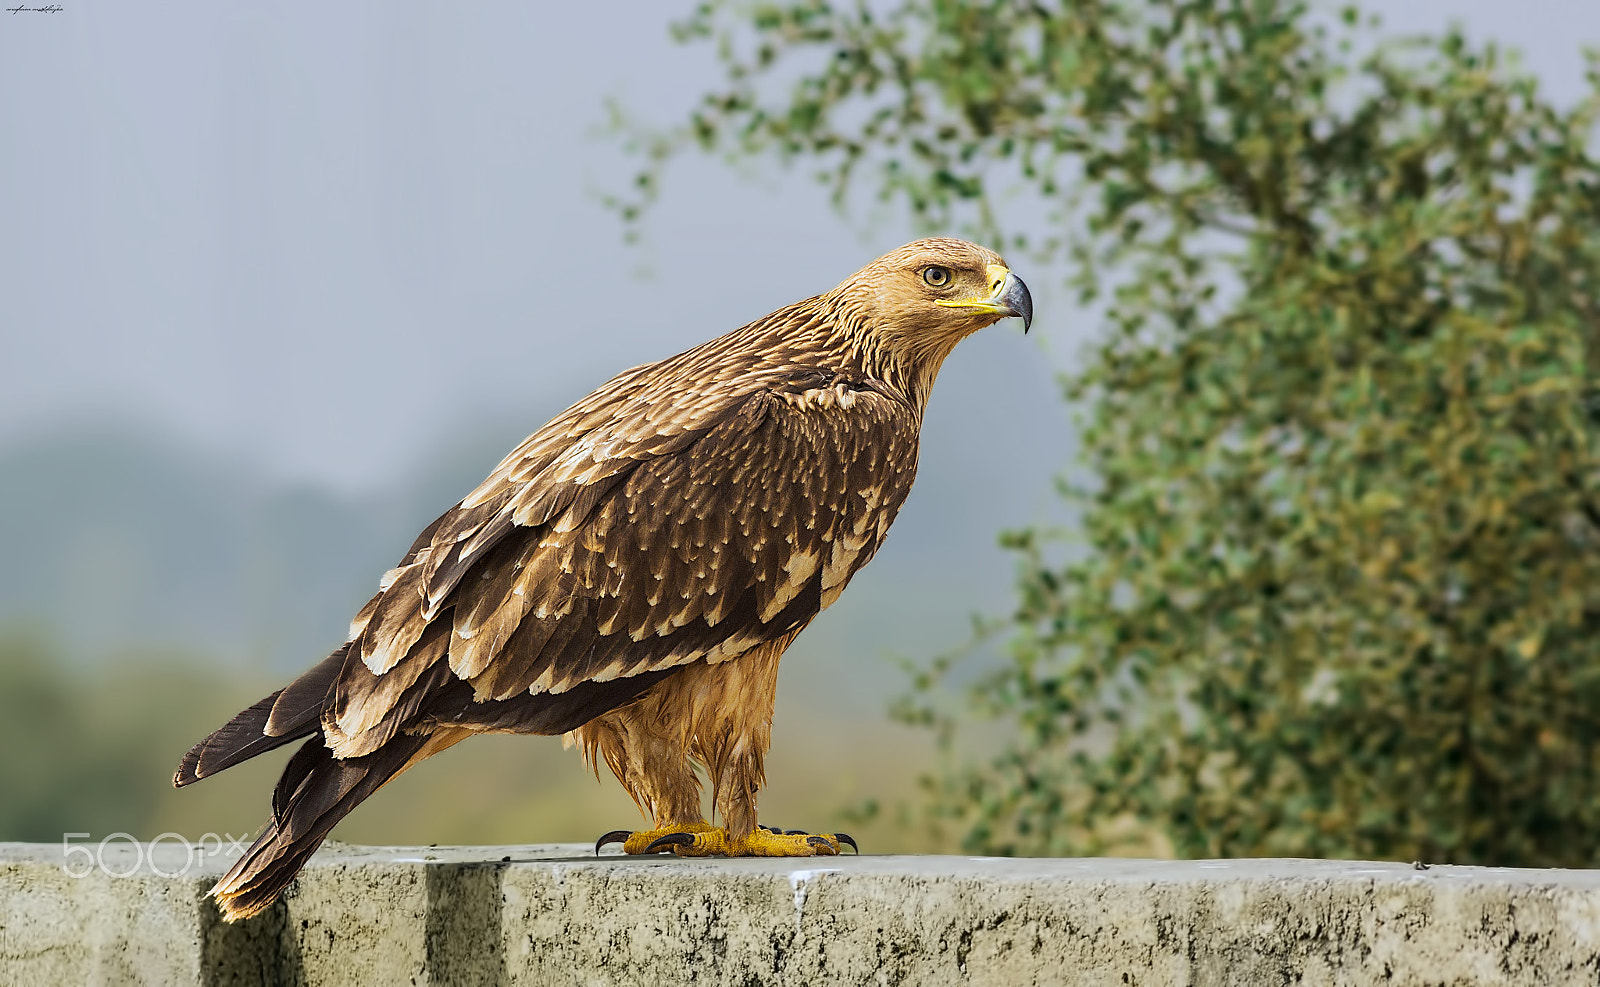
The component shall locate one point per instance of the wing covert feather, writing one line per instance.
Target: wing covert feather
(667, 533)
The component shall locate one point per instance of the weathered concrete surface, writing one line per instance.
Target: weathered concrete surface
(556, 915)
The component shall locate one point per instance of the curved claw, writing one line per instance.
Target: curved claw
(615, 836)
(670, 840)
(846, 839)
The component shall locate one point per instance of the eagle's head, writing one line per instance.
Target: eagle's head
(917, 302)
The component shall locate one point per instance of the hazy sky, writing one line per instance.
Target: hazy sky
(328, 233)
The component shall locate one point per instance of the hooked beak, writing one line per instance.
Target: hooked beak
(1013, 294)
(1008, 296)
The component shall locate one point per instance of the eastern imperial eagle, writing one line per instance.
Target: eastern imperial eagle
(633, 571)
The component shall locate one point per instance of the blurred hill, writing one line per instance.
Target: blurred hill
(119, 537)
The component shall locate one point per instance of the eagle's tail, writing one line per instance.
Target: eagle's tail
(316, 791)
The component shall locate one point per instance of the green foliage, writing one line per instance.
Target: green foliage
(1337, 592)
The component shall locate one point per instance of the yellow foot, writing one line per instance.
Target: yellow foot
(704, 840)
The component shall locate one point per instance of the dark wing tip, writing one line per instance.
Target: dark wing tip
(191, 769)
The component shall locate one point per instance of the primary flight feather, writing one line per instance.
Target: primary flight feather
(632, 572)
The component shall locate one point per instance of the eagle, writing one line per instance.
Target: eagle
(630, 575)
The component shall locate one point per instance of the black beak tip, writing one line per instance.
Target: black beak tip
(1020, 301)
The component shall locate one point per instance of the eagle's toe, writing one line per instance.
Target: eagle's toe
(657, 840)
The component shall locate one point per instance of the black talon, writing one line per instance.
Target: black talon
(615, 836)
(797, 832)
(819, 841)
(847, 840)
(671, 839)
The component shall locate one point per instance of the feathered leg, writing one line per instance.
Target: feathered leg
(649, 755)
(720, 715)
(731, 735)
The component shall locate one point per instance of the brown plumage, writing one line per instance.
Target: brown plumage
(632, 572)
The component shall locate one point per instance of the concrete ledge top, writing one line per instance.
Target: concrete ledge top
(556, 914)
(560, 857)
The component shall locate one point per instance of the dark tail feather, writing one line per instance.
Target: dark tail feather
(316, 791)
(287, 715)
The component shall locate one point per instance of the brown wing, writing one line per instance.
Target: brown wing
(652, 526)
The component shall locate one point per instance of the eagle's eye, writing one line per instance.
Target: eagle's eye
(938, 277)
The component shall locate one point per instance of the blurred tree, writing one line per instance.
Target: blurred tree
(62, 767)
(91, 747)
(1340, 592)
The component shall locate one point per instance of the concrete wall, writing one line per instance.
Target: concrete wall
(556, 915)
